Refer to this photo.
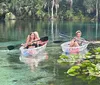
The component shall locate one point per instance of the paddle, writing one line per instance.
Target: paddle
(62, 35)
(58, 41)
(10, 47)
(69, 37)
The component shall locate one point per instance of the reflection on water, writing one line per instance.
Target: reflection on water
(47, 72)
(72, 58)
(97, 26)
(18, 30)
(33, 62)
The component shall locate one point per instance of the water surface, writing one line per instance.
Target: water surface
(44, 69)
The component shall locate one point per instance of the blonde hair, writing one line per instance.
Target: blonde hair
(78, 31)
(36, 34)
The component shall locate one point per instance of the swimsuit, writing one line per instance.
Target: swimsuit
(33, 45)
(79, 41)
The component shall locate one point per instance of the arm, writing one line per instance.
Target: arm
(84, 41)
(28, 39)
(72, 42)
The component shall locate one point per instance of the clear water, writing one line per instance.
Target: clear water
(42, 69)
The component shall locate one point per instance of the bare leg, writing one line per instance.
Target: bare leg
(76, 44)
(73, 44)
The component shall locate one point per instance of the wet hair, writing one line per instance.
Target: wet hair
(78, 31)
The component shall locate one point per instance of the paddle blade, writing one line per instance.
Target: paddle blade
(10, 47)
(44, 38)
(57, 41)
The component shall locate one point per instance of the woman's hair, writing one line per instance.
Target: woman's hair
(35, 34)
(31, 33)
(78, 31)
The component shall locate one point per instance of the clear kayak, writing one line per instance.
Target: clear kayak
(32, 51)
(67, 49)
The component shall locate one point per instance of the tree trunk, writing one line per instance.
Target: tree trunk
(52, 16)
(56, 6)
(71, 3)
(52, 30)
(48, 11)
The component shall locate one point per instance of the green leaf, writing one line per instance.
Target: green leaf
(73, 70)
(98, 49)
(59, 61)
(64, 56)
(62, 62)
(97, 56)
(73, 74)
(76, 67)
(98, 66)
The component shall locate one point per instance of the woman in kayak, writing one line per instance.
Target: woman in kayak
(32, 40)
(77, 40)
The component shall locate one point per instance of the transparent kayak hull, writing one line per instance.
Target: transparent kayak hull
(32, 51)
(67, 49)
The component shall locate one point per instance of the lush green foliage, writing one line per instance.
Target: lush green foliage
(86, 67)
(41, 9)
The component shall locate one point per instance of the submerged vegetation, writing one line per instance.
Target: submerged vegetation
(49, 9)
(86, 67)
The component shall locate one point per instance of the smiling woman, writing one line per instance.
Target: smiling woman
(30, 41)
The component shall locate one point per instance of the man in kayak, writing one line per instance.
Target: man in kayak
(32, 40)
(77, 40)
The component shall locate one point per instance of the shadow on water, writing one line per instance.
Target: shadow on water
(14, 62)
(13, 58)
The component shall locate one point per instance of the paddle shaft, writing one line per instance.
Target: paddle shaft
(94, 42)
(13, 46)
(41, 39)
(3, 46)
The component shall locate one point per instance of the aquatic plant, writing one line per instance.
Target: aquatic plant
(68, 59)
(86, 67)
